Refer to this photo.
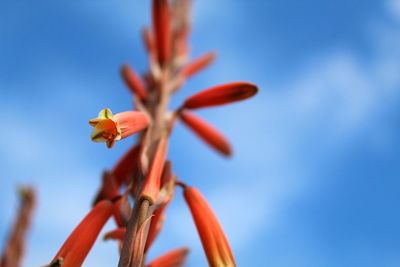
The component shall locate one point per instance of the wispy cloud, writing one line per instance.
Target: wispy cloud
(331, 100)
(279, 137)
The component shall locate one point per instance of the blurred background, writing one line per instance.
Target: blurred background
(315, 176)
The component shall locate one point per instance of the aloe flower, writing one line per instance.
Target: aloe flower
(116, 234)
(109, 128)
(212, 237)
(144, 174)
(173, 258)
(125, 167)
(75, 249)
(197, 65)
(133, 81)
(221, 95)
(151, 186)
(162, 30)
(206, 132)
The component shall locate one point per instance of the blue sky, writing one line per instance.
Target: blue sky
(314, 180)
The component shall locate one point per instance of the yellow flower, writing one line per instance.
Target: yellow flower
(109, 128)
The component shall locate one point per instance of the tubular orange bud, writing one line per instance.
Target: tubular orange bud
(181, 46)
(75, 249)
(162, 30)
(221, 95)
(164, 197)
(116, 234)
(197, 64)
(110, 128)
(108, 189)
(133, 81)
(151, 186)
(167, 185)
(167, 173)
(173, 258)
(212, 237)
(122, 211)
(148, 40)
(125, 168)
(206, 132)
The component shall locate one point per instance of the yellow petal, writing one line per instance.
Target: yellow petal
(94, 121)
(105, 114)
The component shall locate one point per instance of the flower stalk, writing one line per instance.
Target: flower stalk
(15, 247)
(144, 175)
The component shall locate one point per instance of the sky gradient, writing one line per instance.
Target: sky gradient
(315, 176)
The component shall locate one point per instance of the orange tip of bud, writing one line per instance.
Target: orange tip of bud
(108, 189)
(116, 234)
(197, 64)
(109, 128)
(125, 168)
(173, 258)
(212, 237)
(148, 41)
(122, 211)
(162, 30)
(221, 95)
(206, 132)
(75, 249)
(133, 81)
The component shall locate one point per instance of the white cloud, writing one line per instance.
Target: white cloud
(337, 91)
(338, 94)
(393, 6)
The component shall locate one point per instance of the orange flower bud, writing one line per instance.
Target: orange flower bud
(212, 237)
(206, 132)
(173, 258)
(108, 189)
(116, 234)
(162, 30)
(75, 249)
(164, 197)
(167, 188)
(148, 40)
(125, 168)
(133, 81)
(110, 128)
(197, 64)
(151, 186)
(181, 47)
(221, 95)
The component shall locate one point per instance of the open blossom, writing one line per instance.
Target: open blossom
(109, 128)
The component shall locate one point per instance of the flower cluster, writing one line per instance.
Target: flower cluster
(144, 175)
